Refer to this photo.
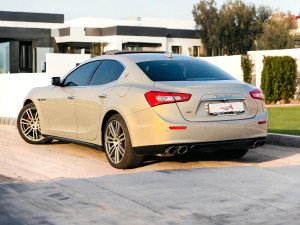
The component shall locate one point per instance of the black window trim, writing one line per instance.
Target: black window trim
(99, 66)
(76, 68)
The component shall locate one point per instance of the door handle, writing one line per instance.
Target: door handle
(71, 97)
(102, 96)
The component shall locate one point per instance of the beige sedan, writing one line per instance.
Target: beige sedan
(136, 104)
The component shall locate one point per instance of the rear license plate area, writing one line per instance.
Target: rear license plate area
(226, 108)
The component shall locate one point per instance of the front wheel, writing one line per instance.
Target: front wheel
(118, 146)
(28, 124)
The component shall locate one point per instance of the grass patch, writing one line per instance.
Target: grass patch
(284, 120)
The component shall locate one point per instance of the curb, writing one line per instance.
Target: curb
(283, 140)
(272, 139)
(8, 121)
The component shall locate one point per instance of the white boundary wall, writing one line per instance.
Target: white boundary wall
(230, 64)
(14, 88)
(258, 57)
(59, 64)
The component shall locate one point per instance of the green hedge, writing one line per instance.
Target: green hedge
(247, 67)
(278, 78)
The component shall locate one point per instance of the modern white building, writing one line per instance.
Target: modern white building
(25, 38)
(131, 34)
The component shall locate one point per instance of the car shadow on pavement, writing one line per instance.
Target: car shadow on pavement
(259, 155)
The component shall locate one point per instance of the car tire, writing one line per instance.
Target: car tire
(117, 144)
(231, 154)
(28, 124)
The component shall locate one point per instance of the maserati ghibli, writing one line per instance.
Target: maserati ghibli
(137, 104)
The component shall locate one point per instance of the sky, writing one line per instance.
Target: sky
(120, 9)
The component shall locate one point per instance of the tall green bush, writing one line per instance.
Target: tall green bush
(278, 78)
(247, 67)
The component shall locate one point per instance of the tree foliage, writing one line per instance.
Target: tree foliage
(278, 78)
(277, 33)
(206, 15)
(230, 30)
(247, 67)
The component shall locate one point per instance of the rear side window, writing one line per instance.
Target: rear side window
(182, 70)
(108, 71)
(82, 75)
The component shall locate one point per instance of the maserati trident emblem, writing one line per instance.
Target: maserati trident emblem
(223, 96)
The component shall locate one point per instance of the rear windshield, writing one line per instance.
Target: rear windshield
(182, 70)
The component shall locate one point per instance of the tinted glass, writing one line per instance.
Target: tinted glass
(108, 71)
(182, 70)
(82, 75)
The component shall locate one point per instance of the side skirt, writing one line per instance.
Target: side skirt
(87, 144)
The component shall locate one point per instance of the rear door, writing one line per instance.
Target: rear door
(90, 100)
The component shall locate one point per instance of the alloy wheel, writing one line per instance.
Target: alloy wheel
(30, 124)
(115, 141)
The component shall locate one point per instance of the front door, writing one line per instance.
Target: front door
(61, 107)
(61, 112)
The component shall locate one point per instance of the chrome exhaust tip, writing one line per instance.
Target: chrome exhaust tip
(170, 150)
(182, 149)
(256, 144)
(262, 143)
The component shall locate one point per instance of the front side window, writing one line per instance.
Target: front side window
(108, 71)
(182, 70)
(82, 75)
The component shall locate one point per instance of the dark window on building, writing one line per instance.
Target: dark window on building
(176, 49)
(108, 71)
(25, 57)
(140, 46)
(75, 48)
(82, 75)
(196, 51)
(4, 57)
(182, 70)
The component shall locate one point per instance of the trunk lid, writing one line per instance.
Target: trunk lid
(205, 93)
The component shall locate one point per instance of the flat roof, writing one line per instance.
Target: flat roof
(31, 17)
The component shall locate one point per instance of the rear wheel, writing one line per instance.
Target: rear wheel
(118, 146)
(231, 154)
(28, 124)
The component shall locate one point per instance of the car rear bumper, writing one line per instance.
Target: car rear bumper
(202, 146)
(149, 128)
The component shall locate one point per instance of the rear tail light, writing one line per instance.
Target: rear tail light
(178, 128)
(155, 98)
(257, 94)
(262, 122)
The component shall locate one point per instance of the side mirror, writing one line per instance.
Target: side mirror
(56, 81)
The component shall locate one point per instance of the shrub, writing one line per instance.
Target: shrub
(247, 67)
(278, 78)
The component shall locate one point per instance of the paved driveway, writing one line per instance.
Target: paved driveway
(65, 184)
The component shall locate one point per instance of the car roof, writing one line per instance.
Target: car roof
(142, 57)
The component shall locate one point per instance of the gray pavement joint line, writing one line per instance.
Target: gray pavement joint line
(257, 200)
(65, 189)
(122, 196)
(270, 169)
